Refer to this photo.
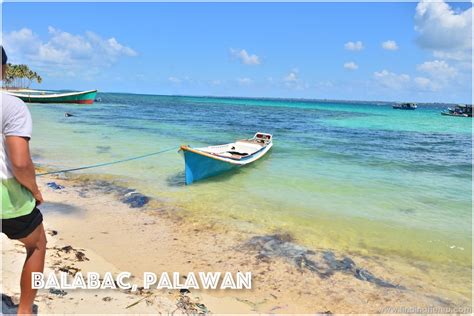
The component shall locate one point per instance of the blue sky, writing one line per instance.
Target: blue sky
(356, 51)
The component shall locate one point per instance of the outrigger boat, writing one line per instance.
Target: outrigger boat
(31, 96)
(461, 110)
(405, 106)
(205, 162)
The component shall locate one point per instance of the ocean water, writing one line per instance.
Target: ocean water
(359, 178)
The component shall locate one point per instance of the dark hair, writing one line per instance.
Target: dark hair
(4, 57)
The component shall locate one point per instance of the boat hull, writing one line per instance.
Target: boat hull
(406, 109)
(200, 164)
(198, 167)
(86, 97)
(456, 115)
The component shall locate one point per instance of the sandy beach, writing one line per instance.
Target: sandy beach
(92, 227)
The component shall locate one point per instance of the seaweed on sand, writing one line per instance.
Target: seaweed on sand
(127, 196)
(323, 263)
(135, 199)
(188, 306)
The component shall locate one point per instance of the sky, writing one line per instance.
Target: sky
(418, 52)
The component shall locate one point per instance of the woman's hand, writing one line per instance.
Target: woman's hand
(38, 197)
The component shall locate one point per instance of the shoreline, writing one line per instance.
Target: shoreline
(94, 217)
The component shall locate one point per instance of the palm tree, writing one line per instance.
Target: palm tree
(20, 76)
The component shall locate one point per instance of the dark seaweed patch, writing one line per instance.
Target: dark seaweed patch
(323, 263)
(135, 199)
(102, 149)
(53, 185)
(408, 210)
(127, 195)
(176, 180)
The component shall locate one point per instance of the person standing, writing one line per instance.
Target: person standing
(21, 219)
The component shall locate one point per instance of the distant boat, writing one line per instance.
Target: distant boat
(461, 110)
(205, 162)
(31, 96)
(405, 106)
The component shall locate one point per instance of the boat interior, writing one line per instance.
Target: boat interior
(241, 148)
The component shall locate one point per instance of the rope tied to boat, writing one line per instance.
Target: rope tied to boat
(107, 163)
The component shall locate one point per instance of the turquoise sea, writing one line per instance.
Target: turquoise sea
(355, 177)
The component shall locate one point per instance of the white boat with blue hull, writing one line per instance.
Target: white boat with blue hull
(205, 162)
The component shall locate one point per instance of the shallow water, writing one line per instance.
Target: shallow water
(362, 178)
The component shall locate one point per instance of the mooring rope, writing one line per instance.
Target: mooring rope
(107, 163)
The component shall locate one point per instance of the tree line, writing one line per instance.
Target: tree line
(20, 77)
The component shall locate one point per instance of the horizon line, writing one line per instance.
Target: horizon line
(277, 98)
(261, 97)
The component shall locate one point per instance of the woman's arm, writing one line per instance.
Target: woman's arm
(22, 166)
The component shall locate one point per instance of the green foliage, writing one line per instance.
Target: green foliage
(20, 77)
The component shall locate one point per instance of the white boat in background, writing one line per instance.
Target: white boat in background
(32, 96)
(205, 162)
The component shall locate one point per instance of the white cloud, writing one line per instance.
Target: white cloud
(446, 32)
(355, 46)
(351, 65)
(438, 69)
(63, 53)
(244, 81)
(292, 76)
(424, 83)
(116, 48)
(19, 41)
(174, 80)
(244, 57)
(392, 80)
(324, 84)
(292, 80)
(390, 45)
(438, 74)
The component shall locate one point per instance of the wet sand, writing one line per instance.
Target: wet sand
(108, 225)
